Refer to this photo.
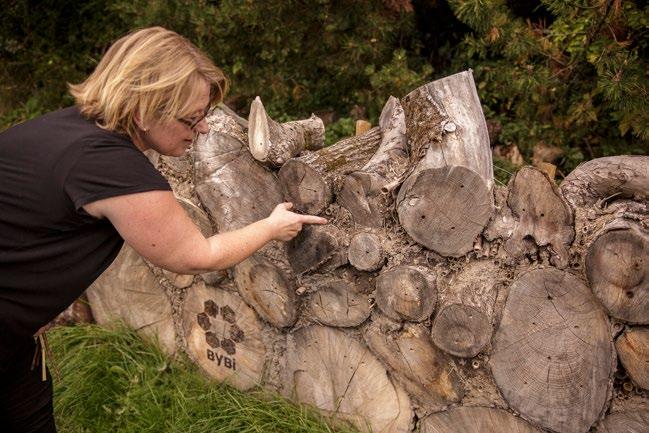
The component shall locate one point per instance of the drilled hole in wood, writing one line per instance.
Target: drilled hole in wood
(549, 297)
(629, 294)
(542, 214)
(461, 186)
(549, 357)
(453, 228)
(423, 217)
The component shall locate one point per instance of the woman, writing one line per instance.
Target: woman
(74, 184)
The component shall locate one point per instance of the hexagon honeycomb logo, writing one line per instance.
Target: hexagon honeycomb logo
(223, 318)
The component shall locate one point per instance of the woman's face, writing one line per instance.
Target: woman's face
(174, 137)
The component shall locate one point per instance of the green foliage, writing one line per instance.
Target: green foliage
(341, 128)
(578, 81)
(112, 381)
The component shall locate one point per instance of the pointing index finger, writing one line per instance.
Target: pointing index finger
(312, 219)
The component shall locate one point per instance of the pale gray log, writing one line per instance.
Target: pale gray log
(617, 267)
(365, 252)
(335, 373)
(553, 355)
(624, 176)
(445, 203)
(625, 422)
(338, 303)
(475, 420)
(275, 143)
(633, 349)
(406, 293)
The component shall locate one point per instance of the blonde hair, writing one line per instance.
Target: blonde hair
(152, 73)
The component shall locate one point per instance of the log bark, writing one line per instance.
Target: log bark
(339, 375)
(339, 303)
(315, 246)
(230, 183)
(463, 325)
(310, 180)
(425, 372)
(367, 193)
(406, 293)
(223, 336)
(626, 422)
(541, 217)
(633, 349)
(129, 292)
(475, 420)
(625, 176)
(365, 252)
(617, 267)
(552, 354)
(275, 143)
(445, 203)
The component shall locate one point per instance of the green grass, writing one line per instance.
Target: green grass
(113, 381)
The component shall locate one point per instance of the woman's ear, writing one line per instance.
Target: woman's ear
(137, 117)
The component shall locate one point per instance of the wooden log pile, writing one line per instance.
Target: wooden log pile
(435, 300)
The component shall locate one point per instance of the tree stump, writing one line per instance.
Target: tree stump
(338, 375)
(552, 356)
(223, 336)
(617, 266)
(229, 183)
(464, 321)
(275, 143)
(475, 420)
(424, 371)
(128, 291)
(633, 349)
(406, 293)
(447, 200)
(625, 422)
(618, 176)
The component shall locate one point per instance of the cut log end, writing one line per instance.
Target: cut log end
(336, 303)
(365, 252)
(445, 209)
(618, 272)
(633, 349)
(304, 187)
(461, 330)
(475, 420)
(258, 131)
(406, 293)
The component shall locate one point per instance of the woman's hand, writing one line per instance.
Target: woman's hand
(285, 225)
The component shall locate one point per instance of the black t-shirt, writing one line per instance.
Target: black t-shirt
(51, 250)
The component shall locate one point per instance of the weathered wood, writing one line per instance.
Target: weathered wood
(365, 252)
(446, 201)
(425, 372)
(625, 422)
(633, 349)
(406, 293)
(552, 354)
(129, 292)
(475, 420)
(338, 303)
(275, 143)
(617, 267)
(310, 180)
(223, 336)
(541, 216)
(612, 176)
(367, 193)
(338, 375)
(315, 246)
(230, 183)
(463, 325)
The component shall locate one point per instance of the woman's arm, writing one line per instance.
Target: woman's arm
(160, 230)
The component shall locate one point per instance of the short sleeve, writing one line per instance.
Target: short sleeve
(108, 167)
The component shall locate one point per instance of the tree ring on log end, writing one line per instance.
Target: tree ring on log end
(617, 270)
(223, 336)
(445, 209)
(475, 420)
(404, 293)
(365, 252)
(461, 330)
(304, 187)
(552, 354)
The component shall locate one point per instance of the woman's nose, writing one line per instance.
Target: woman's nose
(202, 126)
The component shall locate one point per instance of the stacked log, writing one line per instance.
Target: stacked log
(434, 300)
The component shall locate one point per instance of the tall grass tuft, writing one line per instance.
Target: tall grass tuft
(113, 381)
